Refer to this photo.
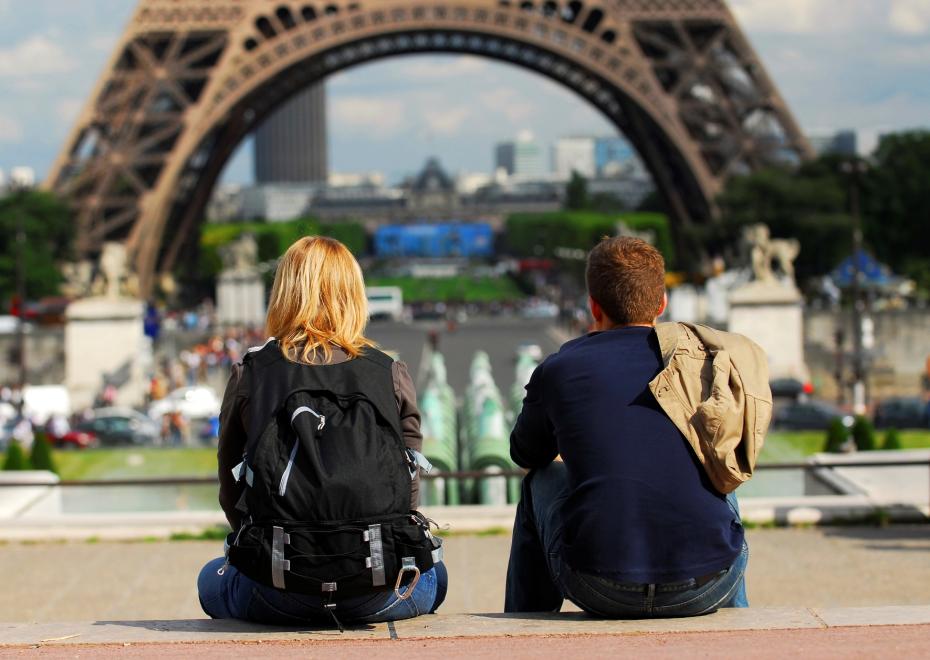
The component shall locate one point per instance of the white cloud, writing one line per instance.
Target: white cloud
(379, 118)
(910, 16)
(68, 109)
(10, 130)
(803, 16)
(506, 101)
(445, 121)
(895, 111)
(441, 67)
(38, 55)
(103, 42)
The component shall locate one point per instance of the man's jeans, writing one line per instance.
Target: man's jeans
(538, 579)
(236, 596)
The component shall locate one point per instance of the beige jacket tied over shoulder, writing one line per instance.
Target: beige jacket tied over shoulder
(715, 388)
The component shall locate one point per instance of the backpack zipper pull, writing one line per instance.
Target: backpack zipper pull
(304, 409)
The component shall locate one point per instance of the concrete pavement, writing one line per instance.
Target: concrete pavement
(818, 567)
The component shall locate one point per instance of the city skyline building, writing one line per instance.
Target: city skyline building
(521, 158)
(574, 154)
(291, 145)
(504, 157)
(612, 155)
(842, 143)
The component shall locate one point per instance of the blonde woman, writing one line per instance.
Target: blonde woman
(318, 464)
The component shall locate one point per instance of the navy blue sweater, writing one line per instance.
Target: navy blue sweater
(641, 508)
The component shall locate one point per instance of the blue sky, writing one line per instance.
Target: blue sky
(865, 66)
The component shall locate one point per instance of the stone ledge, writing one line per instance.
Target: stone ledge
(456, 626)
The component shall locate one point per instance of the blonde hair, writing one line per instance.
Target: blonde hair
(318, 301)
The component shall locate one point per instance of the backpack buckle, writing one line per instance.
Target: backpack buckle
(409, 565)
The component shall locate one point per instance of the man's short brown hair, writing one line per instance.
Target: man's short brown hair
(626, 277)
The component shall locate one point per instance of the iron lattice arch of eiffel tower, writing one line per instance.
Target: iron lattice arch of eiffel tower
(191, 78)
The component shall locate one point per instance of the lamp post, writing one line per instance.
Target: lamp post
(21, 180)
(854, 169)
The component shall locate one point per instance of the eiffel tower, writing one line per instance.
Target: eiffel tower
(190, 79)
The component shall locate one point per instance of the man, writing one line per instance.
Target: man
(652, 429)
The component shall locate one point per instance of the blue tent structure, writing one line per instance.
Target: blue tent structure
(875, 275)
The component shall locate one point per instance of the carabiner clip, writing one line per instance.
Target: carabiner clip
(409, 565)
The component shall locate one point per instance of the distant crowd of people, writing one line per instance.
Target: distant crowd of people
(201, 363)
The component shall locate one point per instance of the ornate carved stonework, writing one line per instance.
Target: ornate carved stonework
(191, 78)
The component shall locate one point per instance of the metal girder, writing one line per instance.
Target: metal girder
(191, 78)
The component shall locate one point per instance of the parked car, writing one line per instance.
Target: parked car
(902, 412)
(540, 309)
(120, 426)
(809, 415)
(75, 439)
(198, 402)
(789, 388)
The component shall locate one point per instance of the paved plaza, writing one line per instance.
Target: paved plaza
(106, 581)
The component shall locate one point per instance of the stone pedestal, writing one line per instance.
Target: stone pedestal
(105, 343)
(240, 299)
(771, 314)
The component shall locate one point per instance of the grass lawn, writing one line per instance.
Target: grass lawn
(789, 446)
(127, 463)
(452, 289)
(912, 439)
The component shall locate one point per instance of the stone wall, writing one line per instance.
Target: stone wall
(45, 356)
(902, 346)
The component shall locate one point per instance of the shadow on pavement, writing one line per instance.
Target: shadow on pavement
(226, 626)
(893, 534)
(534, 616)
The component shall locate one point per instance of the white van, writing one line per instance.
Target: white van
(385, 302)
(43, 401)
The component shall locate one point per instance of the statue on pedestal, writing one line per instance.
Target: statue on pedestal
(241, 256)
(240, 291)
(105, 346)
(764, 251)
(112, 277)
(768, 307)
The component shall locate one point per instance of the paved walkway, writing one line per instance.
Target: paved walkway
(819, 567)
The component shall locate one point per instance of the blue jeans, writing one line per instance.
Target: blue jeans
(538, 580)
(233, 595)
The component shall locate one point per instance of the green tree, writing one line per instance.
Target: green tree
(15, 457)
(653, 202)
(47, 231)
(897, 206)
(351, 234)
(576, 193)
(808, 204)
(606, 203)
(837, 434)
(863, 433)
(539, 234)
(892, 439)
(41, 456)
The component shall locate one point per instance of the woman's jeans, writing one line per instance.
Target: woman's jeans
(538, 579)
(233, 595)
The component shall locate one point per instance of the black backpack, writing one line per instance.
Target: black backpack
(326, 500)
